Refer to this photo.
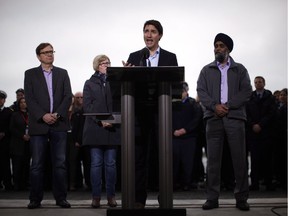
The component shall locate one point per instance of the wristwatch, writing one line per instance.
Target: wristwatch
(57, 115)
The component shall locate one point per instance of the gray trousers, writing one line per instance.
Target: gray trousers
(234, 130)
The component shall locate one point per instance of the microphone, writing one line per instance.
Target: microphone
(144, 53)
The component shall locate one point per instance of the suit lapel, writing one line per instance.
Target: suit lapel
(41, 78)
(161, 61)
(54, 79)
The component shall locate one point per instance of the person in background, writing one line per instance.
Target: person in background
(20, 147)
(19, 94)
(70, 147)
(276, 95)
(199, 171)
(261, 114)
(145, 112)
(5, 170)
(78, 152)
(186, 116)
(48, 96)
(223, 87)
(281, 147)
(102, 137)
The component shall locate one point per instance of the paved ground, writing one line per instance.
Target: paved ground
(264, 203)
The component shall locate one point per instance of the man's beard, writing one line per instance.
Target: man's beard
(220, 57)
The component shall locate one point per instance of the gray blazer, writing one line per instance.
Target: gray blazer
(239, 89)
(38, 100)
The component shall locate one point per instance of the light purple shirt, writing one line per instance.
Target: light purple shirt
(48, 78)
(224, 81)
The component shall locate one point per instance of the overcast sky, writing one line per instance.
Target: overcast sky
(81, 29)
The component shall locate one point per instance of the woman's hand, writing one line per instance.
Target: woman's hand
(106, 124)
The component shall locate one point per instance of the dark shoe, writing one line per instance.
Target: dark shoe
(95, 203)
(111, 202)
(210, 204)
(34, 205)
(63, 204)
(242, 205)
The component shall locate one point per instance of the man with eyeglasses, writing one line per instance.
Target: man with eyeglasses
(48, 97)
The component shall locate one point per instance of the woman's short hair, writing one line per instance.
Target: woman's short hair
(98, 59)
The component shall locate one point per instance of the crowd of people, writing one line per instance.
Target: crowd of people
(51, 144)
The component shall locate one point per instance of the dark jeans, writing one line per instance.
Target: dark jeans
(103, 156)
(39, 147)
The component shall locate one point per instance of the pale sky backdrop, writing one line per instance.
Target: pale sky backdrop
(81, 29)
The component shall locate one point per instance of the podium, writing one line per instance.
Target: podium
(162, 78)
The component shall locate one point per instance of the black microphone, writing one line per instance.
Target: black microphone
(144, 53)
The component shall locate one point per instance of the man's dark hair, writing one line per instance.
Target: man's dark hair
(185, 86)
(155, 23)
(284, 90)
(20, 90)
(42, 46)
(260, 77)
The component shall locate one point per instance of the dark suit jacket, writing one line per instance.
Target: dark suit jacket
(165, 58)
(263, 112)
(142, 89)
(38, 101)
(146, 109)
(187, 115)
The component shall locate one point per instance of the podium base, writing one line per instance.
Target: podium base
(146, 212)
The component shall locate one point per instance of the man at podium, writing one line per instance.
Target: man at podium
(146, 105)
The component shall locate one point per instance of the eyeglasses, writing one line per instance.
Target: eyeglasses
(51, 52)
(79, 97)
(105, 63)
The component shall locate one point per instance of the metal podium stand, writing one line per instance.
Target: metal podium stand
(163, 77)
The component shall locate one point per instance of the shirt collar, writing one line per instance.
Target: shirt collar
(227, 64)
(156, 53)
(46, 70)
(260, 92)
(184, 99)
